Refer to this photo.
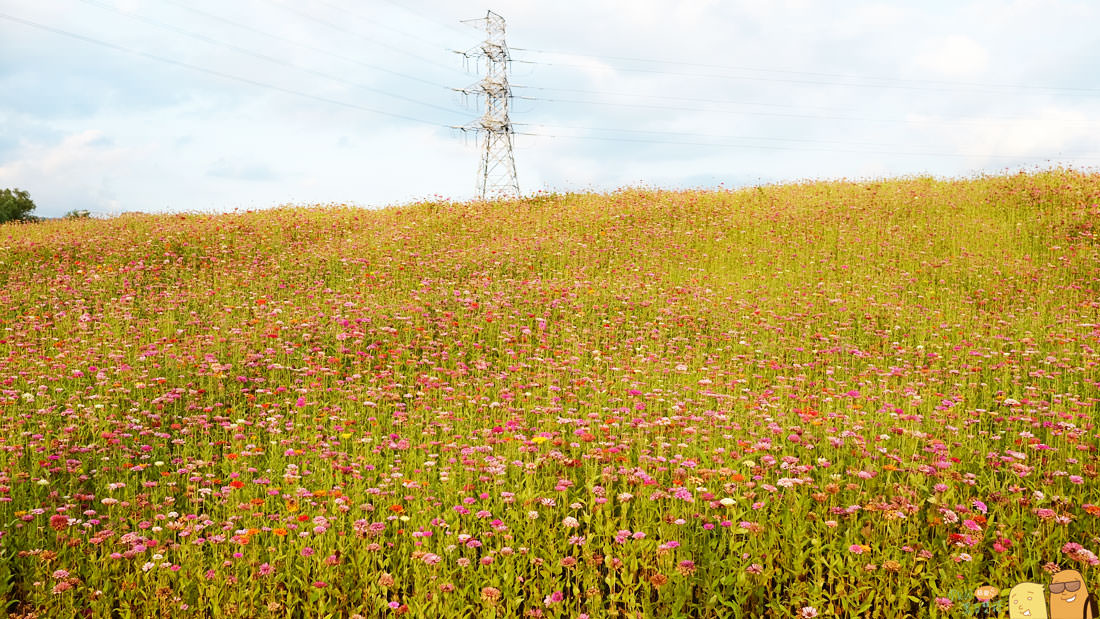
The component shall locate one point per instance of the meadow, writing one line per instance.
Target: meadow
(810, 399)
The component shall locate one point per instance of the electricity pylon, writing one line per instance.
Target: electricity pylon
(496, 175)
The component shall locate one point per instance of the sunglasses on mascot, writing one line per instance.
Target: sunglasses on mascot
(1070, 586)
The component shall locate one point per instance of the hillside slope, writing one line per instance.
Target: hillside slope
(858, 396)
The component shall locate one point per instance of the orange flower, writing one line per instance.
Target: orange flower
(281, 532)
(397, 509)
(232, 456)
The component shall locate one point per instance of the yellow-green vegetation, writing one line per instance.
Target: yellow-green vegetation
(833, 398)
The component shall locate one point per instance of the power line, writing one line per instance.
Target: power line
(214, 72)
(265, 57)
(789, 148)
(301, 44)
(775, 114)
(667, 98)
(900, 82)
(353, 33)
(379, 24)
(704, 135)
(421, 15)
(1082, 91)
(735, 102)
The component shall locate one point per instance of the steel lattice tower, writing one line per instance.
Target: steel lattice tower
(496, 175)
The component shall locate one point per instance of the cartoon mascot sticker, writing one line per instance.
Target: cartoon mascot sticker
(1025, 601)
(1069, 599)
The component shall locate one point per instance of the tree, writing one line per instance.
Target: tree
(15, 205)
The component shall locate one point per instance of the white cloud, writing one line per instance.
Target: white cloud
(75, 172)
(1051, 132)
(954, 56)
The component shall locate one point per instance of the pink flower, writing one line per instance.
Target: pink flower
(857, 549)
(973, 526)
(807, 612)
(553, 598)
(944, 603)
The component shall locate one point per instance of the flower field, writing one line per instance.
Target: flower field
(816, 399)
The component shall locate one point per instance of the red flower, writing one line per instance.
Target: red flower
(59, 522)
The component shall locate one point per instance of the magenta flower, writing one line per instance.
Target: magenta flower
(553, 598)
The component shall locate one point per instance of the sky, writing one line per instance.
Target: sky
(114, 106)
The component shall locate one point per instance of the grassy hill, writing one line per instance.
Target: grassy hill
(853, 398)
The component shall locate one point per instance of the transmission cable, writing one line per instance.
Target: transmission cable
(300, 44)
(265, 57)
(379, 24)
(788, 148)
(668, 98)
(281, 4)
(792, 72)
(977, 89)
(773, 114)
(214, 72)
